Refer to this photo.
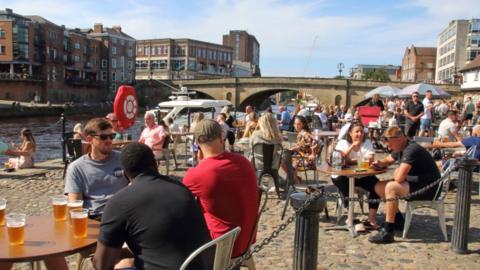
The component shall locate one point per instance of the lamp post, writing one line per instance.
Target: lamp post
(340, 67)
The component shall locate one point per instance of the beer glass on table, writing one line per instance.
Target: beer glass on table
(3, 205)
(76, 204)
(16, 228)
(59, 204)
(79, 222)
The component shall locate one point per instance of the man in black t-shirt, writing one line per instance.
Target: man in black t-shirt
(157, 217)
(413, 111)
(417, 169)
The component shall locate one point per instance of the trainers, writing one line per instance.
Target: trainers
(382, 237)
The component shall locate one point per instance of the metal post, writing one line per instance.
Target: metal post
(213, 113)
(459, 242)
(64, 156)
(305, 250)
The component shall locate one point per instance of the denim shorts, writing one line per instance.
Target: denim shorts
(425, 124)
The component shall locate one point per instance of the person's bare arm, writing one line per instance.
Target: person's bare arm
(401, 172)
(106, 257)
(74, 196)
(438, 144)
(385, 162)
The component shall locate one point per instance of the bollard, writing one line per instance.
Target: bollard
(64, 155)
(305, 250)
(459, 242)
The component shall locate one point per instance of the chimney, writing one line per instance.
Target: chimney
(117, 28)
(98, 28)
(8, 10)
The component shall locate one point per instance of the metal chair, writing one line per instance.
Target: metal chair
(436, 203)
(223, 250)
(74, 151)
(339, 208)
(266, 160)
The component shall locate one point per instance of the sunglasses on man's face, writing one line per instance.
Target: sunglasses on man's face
(104, 137)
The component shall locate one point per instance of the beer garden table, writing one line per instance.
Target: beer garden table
(351, 173)
(44, 237)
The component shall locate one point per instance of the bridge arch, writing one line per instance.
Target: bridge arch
(259, 97)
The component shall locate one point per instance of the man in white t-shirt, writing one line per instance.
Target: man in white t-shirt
(391, 106)
(448, 127)
(426, 119)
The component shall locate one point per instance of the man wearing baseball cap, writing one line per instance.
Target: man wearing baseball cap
(225, 186)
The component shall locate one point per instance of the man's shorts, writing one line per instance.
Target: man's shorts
(411, 129)
(425, 124)
(468, 116)
(428, 195)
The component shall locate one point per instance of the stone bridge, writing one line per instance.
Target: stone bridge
(253, 91)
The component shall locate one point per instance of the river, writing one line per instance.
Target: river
(47, 132)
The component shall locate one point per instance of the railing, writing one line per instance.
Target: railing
(87, 82)
(20, 77)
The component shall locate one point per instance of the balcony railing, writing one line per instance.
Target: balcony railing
(20, 77)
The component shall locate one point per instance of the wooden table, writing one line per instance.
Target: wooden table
(46, 238)
(351, 173)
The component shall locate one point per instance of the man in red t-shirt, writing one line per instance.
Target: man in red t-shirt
(225, 186)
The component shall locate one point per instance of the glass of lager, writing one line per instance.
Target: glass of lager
(3, 205)
(16, 228)
(79, 222)
(59, 204)
(76, 204)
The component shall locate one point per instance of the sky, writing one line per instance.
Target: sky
(306, 38)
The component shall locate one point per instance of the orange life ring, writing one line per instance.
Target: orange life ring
(125, 106)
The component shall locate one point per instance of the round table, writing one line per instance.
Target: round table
(351, 173)
(46, 238)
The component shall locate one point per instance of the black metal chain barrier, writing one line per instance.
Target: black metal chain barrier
(313, 196)
(315, 193)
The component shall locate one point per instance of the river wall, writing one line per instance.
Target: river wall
(20, 111)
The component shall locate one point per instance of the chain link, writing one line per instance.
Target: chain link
(316, 193)
(312, 197)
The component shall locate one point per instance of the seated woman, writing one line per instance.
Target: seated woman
(304, 154)
(352, 147)
(78, 134)
(267, 131)
(251, 125)
(24, 153)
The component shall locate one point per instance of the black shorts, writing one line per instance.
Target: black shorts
(428, 195)
(468, 116)
(411, 128)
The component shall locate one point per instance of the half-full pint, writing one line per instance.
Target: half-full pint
(59, 204)
(77, 204)
(16, 228)
(3, 205)
(79, 222)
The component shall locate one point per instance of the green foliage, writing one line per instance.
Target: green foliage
(380, 75)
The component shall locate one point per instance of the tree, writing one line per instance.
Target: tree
(380, 75)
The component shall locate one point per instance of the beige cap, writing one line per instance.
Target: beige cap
(207, 130)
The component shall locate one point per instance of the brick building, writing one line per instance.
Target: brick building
(418, 64)
(41, 59)
(246, 53)
(170, 59)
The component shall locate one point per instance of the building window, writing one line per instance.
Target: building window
(139, 49)
(178, 64)
(77, 45)
(2, 33)
(104, 63)
(476, 75)
(94, 62)
(114, 40)
(114, 77)
(114, 87)
(114, 50)
(130, 53)
(129, 65)
(158, 64)
(104, 75)
(114, 63)
(3, 49)
(122, 42)
(77, 58)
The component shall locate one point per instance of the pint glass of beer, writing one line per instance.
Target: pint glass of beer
(16, 228)
(76, 204)
(79, 222)
(59, 204)
(3, 205)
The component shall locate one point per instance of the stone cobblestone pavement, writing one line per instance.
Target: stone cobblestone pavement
(424, 247)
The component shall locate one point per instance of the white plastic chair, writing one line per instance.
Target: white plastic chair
(436, 203)
(223, 250)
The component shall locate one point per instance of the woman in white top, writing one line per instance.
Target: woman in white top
(352, 148)
(24, 153)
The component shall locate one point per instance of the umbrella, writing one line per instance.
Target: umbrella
(422, 88)
(384, 91)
